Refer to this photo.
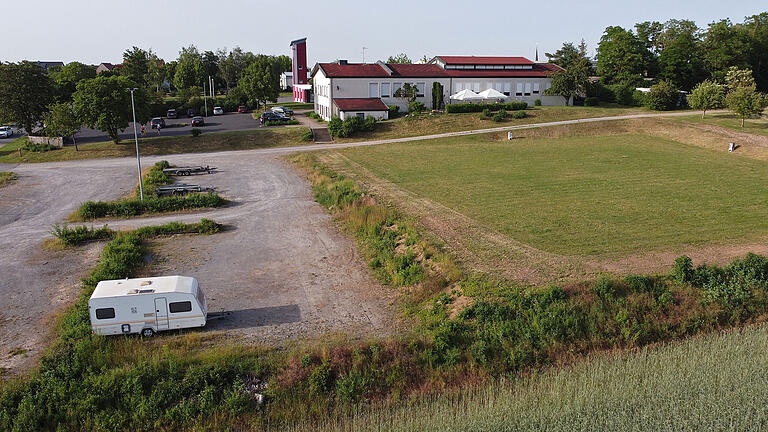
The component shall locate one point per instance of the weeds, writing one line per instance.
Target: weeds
(134, 206)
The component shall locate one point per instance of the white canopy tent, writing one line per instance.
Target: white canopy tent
(492, 94)
(466, 95)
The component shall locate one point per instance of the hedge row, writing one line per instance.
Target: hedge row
(134, 206)
(469, 107)
(82, 234)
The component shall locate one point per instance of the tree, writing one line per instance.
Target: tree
(437, 96)
(663, 96)
(25, 93)
(136, 65)
(746, 102)
(649, 35)
(209, 67)
(756, 27)
(261, 80)
(62, 121)
(570, 82)
(156, 72)
(724, 45)
(736, 77)
(104, 103)
(620, 56)
(232, 67)
(680, 58)
(286, 64)
(707, 95)
(189, 69)
(566, 56)
(401, 58)
(65, 79)
(408, 91)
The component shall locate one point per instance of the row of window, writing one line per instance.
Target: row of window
(322, 90)
(490, 67)
(173, 307)
(521, 89)
(384, 89)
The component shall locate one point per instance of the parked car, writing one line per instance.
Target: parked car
(242, 109)
(6, 132)
(157, 121)
(191, 112)
(272, 116)
(197, 121)
(282, 110)
(218, 111)
(172, 114)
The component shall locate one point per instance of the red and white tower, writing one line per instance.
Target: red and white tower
(300, 83)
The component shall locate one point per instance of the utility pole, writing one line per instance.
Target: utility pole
(205, 100)
(136, 138)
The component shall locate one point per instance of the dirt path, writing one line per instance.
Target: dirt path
(282, 267)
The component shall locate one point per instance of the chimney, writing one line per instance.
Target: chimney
(342, 62)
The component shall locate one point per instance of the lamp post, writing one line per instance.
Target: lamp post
(136, 138)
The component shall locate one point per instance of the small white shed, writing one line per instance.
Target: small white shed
(361, 107)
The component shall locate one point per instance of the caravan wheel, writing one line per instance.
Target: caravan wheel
(148, 332)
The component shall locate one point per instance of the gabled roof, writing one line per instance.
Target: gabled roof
(360, 104)
(352, 70)
(539, 70)
(430, 70)
(467, 60)
(416, 70)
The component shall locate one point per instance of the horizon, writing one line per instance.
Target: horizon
(326, 42)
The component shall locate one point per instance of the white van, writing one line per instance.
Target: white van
(147, 305)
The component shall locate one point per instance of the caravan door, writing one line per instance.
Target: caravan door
(161, 313)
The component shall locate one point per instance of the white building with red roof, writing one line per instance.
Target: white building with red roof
(372, 85)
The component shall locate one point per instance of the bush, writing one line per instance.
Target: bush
(500, 116)
(604, 288)
(315, 116)
(155, 177)
(682, 270)
(520, 115)
(334, 126)
(487, 113)
(134, 206)
(307, 135)
(81, 234)
(350, 126)
(663, 96)
(416, 107)
(468, 107)
(393, 110)
(592, 101)
(622, 93)
(600, 91)
(281, 122)
(39, 148)
(196, 132)
(537, 102)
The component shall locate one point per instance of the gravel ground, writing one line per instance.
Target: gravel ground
(282, 267)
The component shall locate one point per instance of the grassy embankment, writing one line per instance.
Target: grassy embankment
(7, 177)
(757, 126)
(222, 141)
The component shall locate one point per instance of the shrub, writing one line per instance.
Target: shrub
(520, 115)
(469, 107)
(81, 234)
(416, 107)
(662, 96)
(350, 126)
(682, 270)
(369, 124)
(622, 93)
(307, 135)
(393, 110)
(604, 288)
(334, 126)
(134, 207)
(196, 132)
(592, 101)
(537, 102)
(500, 116)
(487, 113)
(321, 378)
(39, 148)
(156, 177)
(281, 122)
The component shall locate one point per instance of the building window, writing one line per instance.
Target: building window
(527, 89)
(507, 89)
(476, 87)
(395, 87)
(361, 115)
(373, 90)
(105, 313)
(536, 88)
(384, 89)
(519, 89)
(458, 87)
(499, 87)
(420, 89)
(177, 307)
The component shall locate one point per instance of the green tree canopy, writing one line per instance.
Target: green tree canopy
(104, 103)
(663, 96)
(756, 27)
(570, 82)
(408, 91)
(25, 92)
(401, 58)
(680, 59)
(569, 54)
(233, 65)
(746, 102)
(724, 45)
(736, 77)
(62, 121)
(65, 79)
(136, 65)
(189, 69)
(706, 96)
(261, 80)
(156, 72)
(620, 56)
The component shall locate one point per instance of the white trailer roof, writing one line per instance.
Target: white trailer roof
(139, 286)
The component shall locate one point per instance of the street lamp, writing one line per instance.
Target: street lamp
(136, 138)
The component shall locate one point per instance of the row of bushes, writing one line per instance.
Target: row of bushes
(480, 107)
(134, 206)
(74, 236)
(155, 178)
(662, 96)
(350, 126)
(501, 114)
(281, 122)
(39, 147)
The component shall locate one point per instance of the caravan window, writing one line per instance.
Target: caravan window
(105, 313)
(176, 307)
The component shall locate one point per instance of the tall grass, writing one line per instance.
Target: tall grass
(715, 382)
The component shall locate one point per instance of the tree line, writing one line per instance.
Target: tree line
(67, 98)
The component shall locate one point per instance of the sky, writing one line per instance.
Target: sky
(95, 31)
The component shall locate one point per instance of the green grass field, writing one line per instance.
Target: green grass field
(584, 195)
(717, 382)
(758, 126)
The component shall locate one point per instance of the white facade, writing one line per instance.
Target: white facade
(286, 80)
(378, 115)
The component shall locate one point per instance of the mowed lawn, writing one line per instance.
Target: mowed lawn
(585, 195)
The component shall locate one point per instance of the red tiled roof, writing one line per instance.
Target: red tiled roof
(540, 70)
(375, 70)
(353, 70)
(360, 104)
(416, 70)
(484, 60)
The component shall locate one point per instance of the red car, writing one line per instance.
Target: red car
(242, 109)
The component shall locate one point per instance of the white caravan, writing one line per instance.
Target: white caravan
(147, 305)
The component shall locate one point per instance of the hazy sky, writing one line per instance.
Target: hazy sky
(94, 31)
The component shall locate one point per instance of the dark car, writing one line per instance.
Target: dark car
(272, 116)
(198, 121)
(191, 112)
(242, 109)
(172, 114)
(157, 122)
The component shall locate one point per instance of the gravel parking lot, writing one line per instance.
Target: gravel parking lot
(282, 267)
